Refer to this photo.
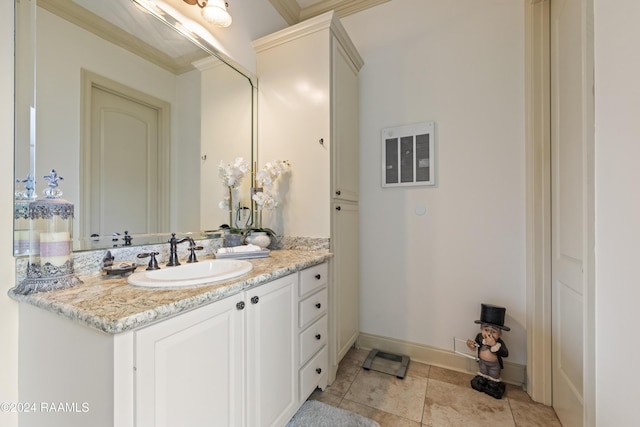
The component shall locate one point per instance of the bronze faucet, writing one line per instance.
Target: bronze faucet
(173, 249)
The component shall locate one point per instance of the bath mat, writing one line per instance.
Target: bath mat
(317, 414)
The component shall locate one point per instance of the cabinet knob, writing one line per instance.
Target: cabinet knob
(318, 336)
(319, 370)
(338, 208)
(240, 305)
(318, 305)
(338, 192)
(318, 276)
(254, 300)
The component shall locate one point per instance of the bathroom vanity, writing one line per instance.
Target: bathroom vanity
(244, 352)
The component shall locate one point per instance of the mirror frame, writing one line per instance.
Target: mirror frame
(25, 113)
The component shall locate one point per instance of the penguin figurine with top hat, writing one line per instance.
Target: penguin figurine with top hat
(491, 350)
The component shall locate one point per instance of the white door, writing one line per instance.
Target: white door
(124, 155)
(571, 131)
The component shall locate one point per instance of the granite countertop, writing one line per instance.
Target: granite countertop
(113, 306)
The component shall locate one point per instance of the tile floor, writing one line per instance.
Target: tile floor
(428, 396)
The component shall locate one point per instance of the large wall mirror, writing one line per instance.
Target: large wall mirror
(134, 112)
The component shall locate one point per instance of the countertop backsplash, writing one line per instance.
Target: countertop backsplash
(89, 263)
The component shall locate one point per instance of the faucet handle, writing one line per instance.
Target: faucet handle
(153, 264)
(108, 259)
(192, 249)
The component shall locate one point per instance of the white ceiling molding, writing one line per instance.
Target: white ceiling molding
(293, 13)
(288, 9)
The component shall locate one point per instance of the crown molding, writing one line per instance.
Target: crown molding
(342, 8)
(291, 11)
(326, 21)
(288, 9)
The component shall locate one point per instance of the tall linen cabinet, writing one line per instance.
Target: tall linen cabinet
(308, 113)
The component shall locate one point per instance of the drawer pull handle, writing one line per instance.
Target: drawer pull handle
(240, 305)
(338, 192)
(319, 370)
(318, 336)
(318, 305)
(318, 276)
(338, 208)
(254, 300)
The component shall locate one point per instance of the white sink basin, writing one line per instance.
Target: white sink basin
(213, 270)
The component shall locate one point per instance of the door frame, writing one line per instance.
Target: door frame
(538, 206)
(90, 80)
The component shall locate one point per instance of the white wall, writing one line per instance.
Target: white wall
(460, 64)
(8, 307)
(617, 109)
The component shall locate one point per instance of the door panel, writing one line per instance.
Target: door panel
(124, 154)
(569, 189)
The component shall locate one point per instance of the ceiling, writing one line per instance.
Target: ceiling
(294, 11)
(120, 22)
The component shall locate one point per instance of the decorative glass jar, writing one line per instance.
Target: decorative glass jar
(50, 243)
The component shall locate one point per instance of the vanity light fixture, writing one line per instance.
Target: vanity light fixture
(213, 11)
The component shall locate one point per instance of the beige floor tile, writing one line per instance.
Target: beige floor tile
(435, 396)
(451, 377)
(449, 404)
(357, 355)
(324, 397)
(347, 370)
(387, 393)
(417, 369)
(339, 387)
(517, 393)
(533, 414)
(385, 419)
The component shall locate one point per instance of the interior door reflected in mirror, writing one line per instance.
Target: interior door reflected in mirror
(133, 113)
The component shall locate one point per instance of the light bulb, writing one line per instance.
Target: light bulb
(216, 13)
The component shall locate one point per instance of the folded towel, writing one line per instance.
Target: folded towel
(239, 249)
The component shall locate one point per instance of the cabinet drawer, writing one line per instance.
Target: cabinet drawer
(313, 339)
(313, 278)
(314, 374)
(312, 308)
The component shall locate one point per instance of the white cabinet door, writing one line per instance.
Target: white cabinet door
(189, 369)
(272, 360)
(345, 302)
(345, 133)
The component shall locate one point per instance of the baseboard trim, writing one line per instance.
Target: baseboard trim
(513, 373)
